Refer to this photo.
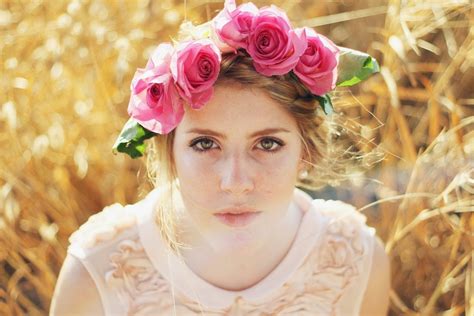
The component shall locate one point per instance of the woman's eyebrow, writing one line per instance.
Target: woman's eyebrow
(265, 131)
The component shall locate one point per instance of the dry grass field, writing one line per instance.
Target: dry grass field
(64, 87)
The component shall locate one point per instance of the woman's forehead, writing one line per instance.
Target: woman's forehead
(239, 107)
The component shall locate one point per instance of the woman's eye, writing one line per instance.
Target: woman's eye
(268, 144)
(205, 144)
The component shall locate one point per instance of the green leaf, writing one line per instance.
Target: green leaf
(354, 67)
(326, 104)
(130, 139)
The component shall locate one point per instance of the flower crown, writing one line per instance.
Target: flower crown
(186, 71)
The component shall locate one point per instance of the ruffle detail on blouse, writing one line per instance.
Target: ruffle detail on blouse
(103, 226)
(339, 260)
(140, 288)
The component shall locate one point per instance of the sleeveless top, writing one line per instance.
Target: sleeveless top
(325, 272)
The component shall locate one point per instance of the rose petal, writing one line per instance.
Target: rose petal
(185, 62)
(317, 67)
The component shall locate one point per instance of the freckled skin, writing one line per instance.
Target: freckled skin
(237, 169)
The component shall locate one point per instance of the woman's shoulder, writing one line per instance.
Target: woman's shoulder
(346, 241)
(336, 219)
(343, 218)
(102, 228)
(342, 257)
(338, 210)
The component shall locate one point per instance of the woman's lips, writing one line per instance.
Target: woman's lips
(237, 220)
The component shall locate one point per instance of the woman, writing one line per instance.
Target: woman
(233, 109)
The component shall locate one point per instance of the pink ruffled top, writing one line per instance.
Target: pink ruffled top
(325, 272)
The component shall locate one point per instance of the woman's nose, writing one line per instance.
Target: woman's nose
(236, 177)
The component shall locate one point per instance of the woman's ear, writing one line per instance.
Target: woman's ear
(303, 163)
(302, 167)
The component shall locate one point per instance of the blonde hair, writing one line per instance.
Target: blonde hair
(329, 156)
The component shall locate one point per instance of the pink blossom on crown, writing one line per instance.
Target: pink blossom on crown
(317, 67)
(233, 25)
(154, 101)
(273, 45)
(195, 66)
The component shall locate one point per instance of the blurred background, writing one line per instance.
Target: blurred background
(65, 79)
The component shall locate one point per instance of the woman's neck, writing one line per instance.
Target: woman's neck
(246, 266)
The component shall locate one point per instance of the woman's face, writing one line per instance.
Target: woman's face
(241, 149)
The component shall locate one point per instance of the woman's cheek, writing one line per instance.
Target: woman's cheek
(197, 175)
(280, 163)
(282, 173)
(274, 175)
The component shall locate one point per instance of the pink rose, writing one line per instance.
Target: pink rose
(273, 45)
(233, 25)
(317, 67)
(155, 103)
(195, 66)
